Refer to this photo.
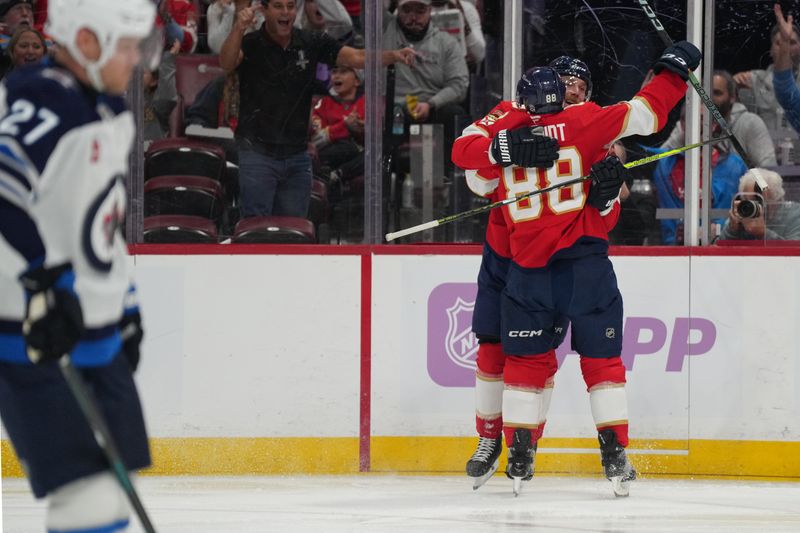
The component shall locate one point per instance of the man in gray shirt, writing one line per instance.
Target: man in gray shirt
(439, 77)
(748, 127)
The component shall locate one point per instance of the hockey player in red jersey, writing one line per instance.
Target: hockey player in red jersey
(491, 281)
(559, 249)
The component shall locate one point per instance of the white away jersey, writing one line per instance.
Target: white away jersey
(63, 157)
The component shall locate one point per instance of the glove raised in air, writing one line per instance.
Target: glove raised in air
(680, 58)
(523, 148)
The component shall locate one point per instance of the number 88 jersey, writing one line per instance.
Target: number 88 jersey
(545, 224)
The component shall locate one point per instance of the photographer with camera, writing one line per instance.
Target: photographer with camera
(762, 215)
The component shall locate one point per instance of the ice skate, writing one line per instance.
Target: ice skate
(521, 456)
(616, 466)
(483, 463)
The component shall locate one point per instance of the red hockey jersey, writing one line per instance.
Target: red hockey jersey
(330, 113)
(541, 225)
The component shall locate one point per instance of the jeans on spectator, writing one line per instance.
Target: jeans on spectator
(345, 156)
(271, 186)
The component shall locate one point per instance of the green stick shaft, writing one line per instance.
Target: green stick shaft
(482, 209)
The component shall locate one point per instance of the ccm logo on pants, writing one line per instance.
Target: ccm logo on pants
(525, 334)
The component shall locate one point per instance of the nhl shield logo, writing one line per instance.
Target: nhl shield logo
(452, 347)
(460, 343)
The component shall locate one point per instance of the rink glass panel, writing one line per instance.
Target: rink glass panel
(613, 38)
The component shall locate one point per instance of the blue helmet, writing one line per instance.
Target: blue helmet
(571, 66)
(541, 91)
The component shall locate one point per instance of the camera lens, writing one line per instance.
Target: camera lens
(748, 209)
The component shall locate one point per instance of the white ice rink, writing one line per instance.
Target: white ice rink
(404, 504)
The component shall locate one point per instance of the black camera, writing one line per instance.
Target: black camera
(749, 208)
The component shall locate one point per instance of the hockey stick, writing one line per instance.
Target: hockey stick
(707, 101)
(88, 405)
(482, 209)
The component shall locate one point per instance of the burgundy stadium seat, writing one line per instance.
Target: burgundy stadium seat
(318, 204)
(192, 73)
(274, 230)
(180, 156)
(183, 195)
(179, 229)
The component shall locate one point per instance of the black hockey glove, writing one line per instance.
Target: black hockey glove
(54, 321)
(524, 148)
(131, 332)
(680, 58)
(607, 176)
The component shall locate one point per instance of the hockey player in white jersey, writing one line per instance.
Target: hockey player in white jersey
(65, 138)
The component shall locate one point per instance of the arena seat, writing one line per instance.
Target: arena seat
(171, 229)
(274, 230)
(184, 195)
(192, 73)
(180, 156)
(318, 204)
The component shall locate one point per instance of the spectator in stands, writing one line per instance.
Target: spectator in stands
(277, 68)
(760, 82)
(39, 15)
(26, 47)
(669, 178)
(220, 18)
(14, 14)
(160, 95)
(786, 90)
(473, 32)
(180, 19)
(776, 221)
(748, 127)
(439, 79)
(328, 16)
(353, 8)
(337, 124)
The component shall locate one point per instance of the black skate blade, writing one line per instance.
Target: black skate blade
(477, 482)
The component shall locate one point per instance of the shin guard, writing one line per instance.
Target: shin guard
(524, 380)
(489, 390)
(605, 381)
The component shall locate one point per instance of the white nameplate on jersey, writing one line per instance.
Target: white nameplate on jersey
(556, 131)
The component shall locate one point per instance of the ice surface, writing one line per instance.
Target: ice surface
(404, 504)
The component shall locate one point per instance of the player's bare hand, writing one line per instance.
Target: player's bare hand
(175, 48)
(744, 79)
(784, 23)
(406, 55)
